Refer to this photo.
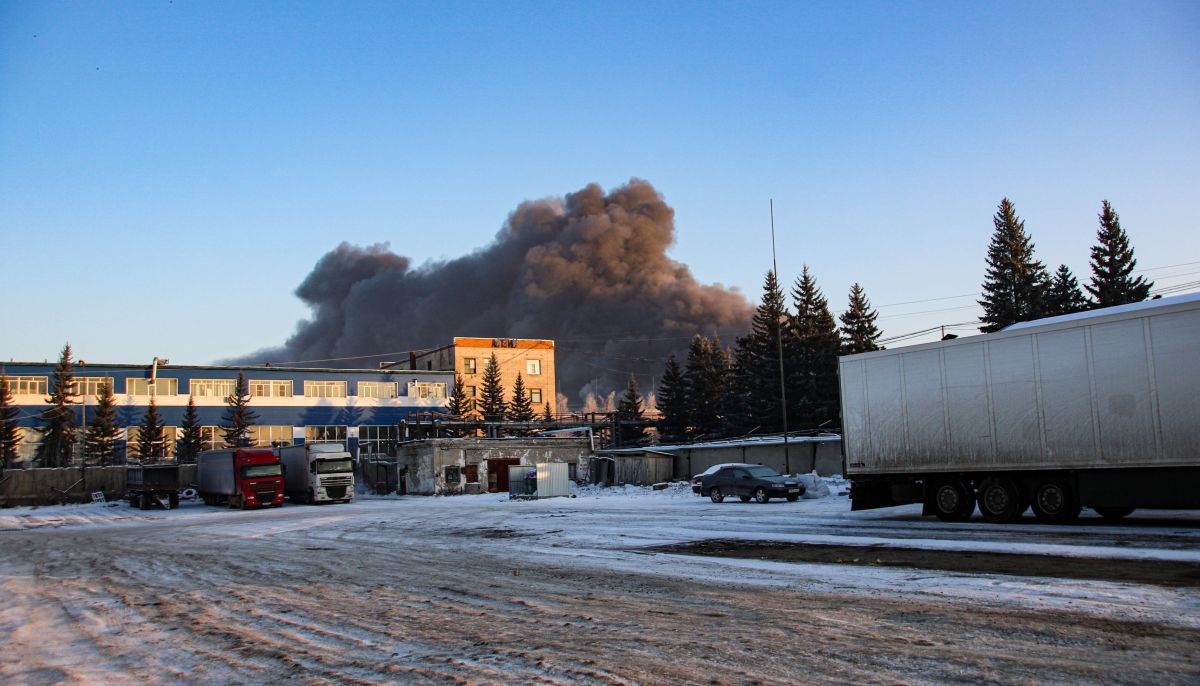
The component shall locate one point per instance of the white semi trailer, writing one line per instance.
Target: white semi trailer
(1098, 409)
(317, 473)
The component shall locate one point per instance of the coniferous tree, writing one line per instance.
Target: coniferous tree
(706, 378)
(238, 416)
(1112, 263)
(10, 437)
(630, 409)
(520, 408)
(459, 402)
(151, 444)
(812, 350)
(859, 333)
(103, 430)
(190, 443)
(547, 416)
(671, 401)
(740, 395)
(492, 403)
(1015, 283)
(59, 430)
(1064, 295)
(756, 364)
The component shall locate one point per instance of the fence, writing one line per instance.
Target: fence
(69, 484)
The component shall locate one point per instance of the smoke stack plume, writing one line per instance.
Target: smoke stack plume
(589, 270)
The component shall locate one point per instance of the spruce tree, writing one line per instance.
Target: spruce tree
(756, 364)
(190, 443)
(491, 400)
(630, 409)
(1112, 263)
(151, 444)
(238, 416)
(459, 402)
(10, 437)
(859, 333)
(1064, 296)
(740, 394)
(103, 430)
(547, 416)
(520, 408)
(812, 351)
(59, 426)
(671, 401)
(1015, 283)
(706, 379)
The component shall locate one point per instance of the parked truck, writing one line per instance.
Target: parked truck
(1098, 409)
(148, 485)
(242, 477)
(317, 473)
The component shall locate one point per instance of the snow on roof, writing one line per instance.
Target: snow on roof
(745, 441)
(1105, 311)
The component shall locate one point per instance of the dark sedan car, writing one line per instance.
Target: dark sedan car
(746, 481)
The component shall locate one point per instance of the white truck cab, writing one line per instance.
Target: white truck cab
(317, 473)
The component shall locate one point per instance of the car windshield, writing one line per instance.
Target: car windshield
(255, 471)
(763, 472)
(332, 466)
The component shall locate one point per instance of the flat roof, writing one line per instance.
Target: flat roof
(242, 368)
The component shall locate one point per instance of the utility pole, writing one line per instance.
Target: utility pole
(787, 462)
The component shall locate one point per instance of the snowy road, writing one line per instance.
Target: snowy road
(481, 589)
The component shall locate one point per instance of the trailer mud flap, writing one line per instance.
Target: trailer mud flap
(868, 495)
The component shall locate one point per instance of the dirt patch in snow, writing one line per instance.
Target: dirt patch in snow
(1157, 572)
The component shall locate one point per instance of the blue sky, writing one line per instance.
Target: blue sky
(170, 171)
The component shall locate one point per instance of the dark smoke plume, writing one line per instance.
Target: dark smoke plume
(589, 270)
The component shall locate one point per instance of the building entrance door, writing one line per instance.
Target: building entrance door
(498, 475)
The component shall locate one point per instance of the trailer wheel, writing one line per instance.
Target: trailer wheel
(133, 500)
(953, 501)
(1054, 501)
(1000, 501)
(1113, 513)
(144, 502)
(173, 500)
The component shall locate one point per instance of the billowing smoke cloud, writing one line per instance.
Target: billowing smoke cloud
(589, 270)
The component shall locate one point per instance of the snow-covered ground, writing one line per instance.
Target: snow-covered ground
(395, 586)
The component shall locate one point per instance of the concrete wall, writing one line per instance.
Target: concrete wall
(73, 485)
(426, 461)
(635, 469)
(803, 457)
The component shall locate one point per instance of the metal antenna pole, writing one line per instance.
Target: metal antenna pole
(787, 462)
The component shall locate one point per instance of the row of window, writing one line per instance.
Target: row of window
(535, 394)
(88, 386)
(532, 367)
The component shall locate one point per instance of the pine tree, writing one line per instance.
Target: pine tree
(812, 362)
(10, 437)
(103, 430)
(671, 401)
(630, 409)
(1015, 283)
(859, 333)
(151, 444)
(1112, 263)
(757, 397)
(520, 408)
(59, 430)
(190, 443)
(492, 403)
(706, 376)
(238, 416)
(1064, 296)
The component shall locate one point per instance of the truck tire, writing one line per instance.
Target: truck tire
(133, 500)
(144, 502)
(173, 501)
(1054, 501)
(953, 500)
(1000, 501)
(1113, 513)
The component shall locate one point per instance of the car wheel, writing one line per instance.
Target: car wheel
(1053, 501)
(793, 498)
(715, 494)
(760, 495)
(1000, 500)
(744, 498)
(1113, 513)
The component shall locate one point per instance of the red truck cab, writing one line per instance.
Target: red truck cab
(260, 477)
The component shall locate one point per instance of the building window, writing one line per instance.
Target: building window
(271, 389)
(533, 367)
(88, 386)
(471, 392)
(422, 389)
(324, 434)
(572, 471)
(535, 396)
(376, 389)
(470, 366)
(30, 440)
(270, 436)
(212, 388)
(27, 385)
(170, 434)
(376, 440)
(470, 407)
(471, 473)
(213, 437)
(325, 389)
(158, 387)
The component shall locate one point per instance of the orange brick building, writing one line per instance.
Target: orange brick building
(532, 358)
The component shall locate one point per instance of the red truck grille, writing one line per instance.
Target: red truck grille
(265, 497)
